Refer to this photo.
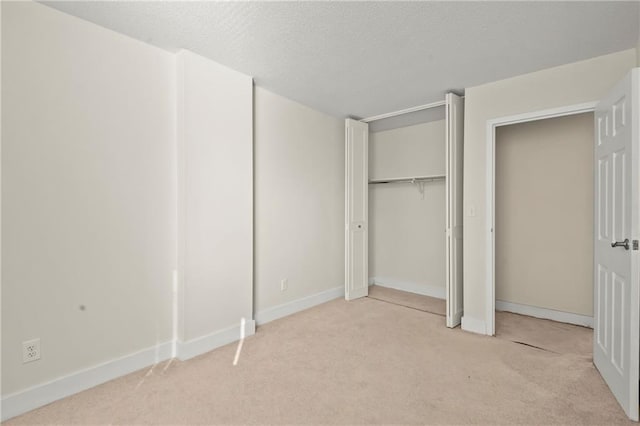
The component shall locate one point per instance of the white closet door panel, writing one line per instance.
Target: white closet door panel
(616, 212)
(454, 151)
(357, 207)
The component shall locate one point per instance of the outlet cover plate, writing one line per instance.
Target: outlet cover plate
(30, 350)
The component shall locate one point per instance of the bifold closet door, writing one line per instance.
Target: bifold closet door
(454, 136)
(357, 209)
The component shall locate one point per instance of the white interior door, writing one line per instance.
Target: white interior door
(357, 209)
(454, 129)
(615, 304)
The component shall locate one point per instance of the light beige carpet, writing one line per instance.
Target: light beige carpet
(359, 362)
(545, 334)
(410, 300)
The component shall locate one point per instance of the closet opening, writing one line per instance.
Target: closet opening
(407, 200)
(543, 233)
(403, 240)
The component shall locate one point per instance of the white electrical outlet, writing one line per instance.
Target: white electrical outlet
(30, 350)
(284, 284)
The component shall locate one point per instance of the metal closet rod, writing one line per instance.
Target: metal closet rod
(408, 179)
(404, 111)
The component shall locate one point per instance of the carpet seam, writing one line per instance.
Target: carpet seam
(405, 306)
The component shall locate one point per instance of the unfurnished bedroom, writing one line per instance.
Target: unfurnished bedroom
(320, 212)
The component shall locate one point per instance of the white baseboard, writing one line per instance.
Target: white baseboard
(411, 287)
(534, 311)
(298, 305)
(200, 345)
(473, 325)
(37, 396)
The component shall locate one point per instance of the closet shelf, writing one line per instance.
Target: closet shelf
(411, 179)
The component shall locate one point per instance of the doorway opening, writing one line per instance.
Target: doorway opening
(492, 127)
(544, 233)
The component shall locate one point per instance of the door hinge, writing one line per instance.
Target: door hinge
(635, 244)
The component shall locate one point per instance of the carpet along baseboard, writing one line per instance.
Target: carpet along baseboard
(204, 344)
(37, 396)
(425, 290)
(473, 325)
(534, 311)
(298, 305)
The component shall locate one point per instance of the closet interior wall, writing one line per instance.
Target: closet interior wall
(544, 215)
(407, 245)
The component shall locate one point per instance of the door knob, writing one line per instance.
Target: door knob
(624, 244)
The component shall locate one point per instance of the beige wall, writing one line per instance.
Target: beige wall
(638, 45)
(544, 214)
(406, 231)
(299, 200)
(570, 84)
(88, 194)
(215, 198)
(417, 150)
(92, 159)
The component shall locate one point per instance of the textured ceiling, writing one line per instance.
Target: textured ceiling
(365, 58)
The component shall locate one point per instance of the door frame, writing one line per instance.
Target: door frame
(490, 146)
